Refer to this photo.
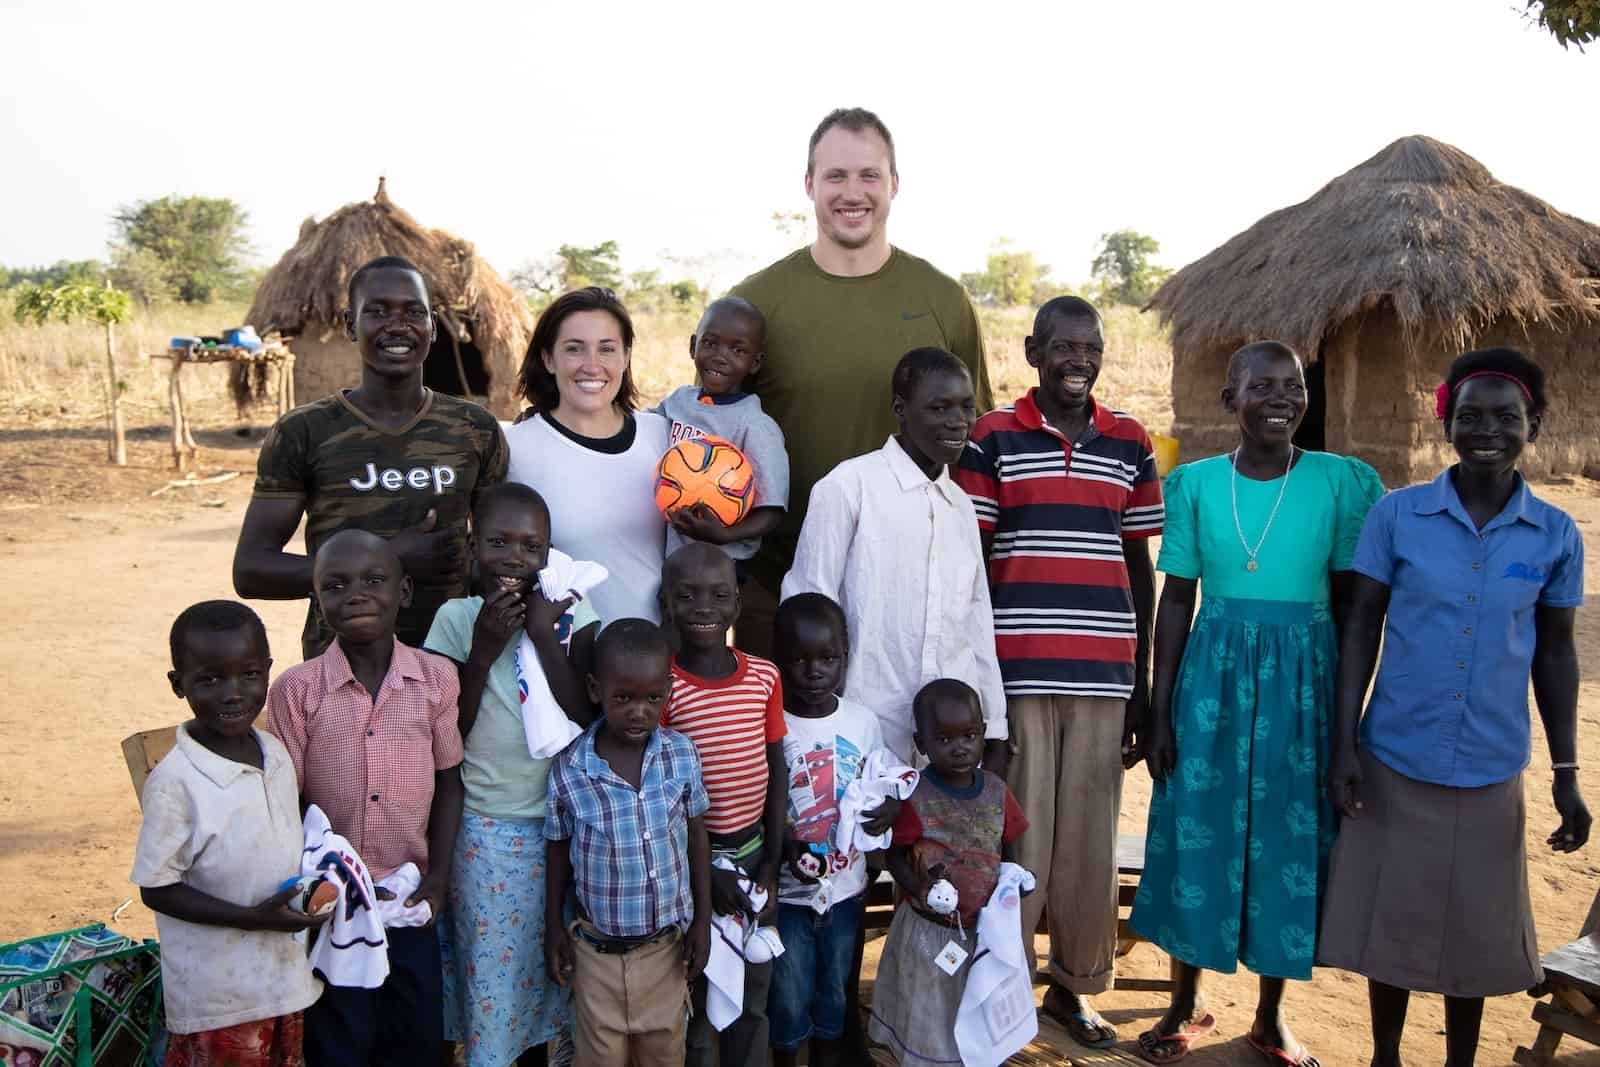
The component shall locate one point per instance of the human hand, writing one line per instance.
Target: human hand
(881, 819)
(427, 552)
(697, 523)
(431, 892)
(1344, 781)
(543, 614)
(559, 961)
(1160, 749)
(1134, 717)
(274, 913)
(697, 947)
(792, 852)
(767, 880)
(726, 896)
(500, 619)
(1573, 832)
(996, 756)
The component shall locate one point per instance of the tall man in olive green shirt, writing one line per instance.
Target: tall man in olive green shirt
(840, 313)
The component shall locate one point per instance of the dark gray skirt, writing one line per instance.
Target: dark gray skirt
(1428, 889)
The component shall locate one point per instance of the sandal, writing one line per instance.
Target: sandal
(1161, 1048)
(1086, 1028)
(1278, 1057)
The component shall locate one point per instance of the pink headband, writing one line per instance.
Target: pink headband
(1441, 395)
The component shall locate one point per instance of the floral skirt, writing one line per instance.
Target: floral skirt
(262, 1043)
(1236, 855)
(498, 1001)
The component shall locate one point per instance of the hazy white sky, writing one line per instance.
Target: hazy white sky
(678, 129)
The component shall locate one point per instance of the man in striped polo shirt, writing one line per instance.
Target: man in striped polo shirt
(1067, 498)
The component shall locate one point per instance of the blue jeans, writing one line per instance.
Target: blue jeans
(808, 980)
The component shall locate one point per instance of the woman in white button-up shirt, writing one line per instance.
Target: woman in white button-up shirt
(895, 541)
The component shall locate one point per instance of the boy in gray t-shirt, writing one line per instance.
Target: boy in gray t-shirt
(727, 349)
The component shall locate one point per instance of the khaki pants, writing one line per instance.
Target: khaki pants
(1067, 775)
(630, 1009)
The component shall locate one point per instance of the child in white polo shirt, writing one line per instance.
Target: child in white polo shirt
(221, 833)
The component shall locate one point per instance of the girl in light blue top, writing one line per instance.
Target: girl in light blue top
(1241, 704)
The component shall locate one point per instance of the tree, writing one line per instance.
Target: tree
(571, 267)
(1570, 22)
(38, 304)
(194, 245)
(60, 272)
(1009, 276)
(1124, 270)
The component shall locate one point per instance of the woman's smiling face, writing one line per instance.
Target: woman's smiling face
(1490, 425)
(588, 361)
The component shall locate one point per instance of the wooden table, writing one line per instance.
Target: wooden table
(274, 354)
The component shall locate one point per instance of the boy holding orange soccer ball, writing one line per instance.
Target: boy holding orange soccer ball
(727, 349)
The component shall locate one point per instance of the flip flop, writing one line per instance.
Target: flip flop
(1079, 1025)
(1277, 1057)
(1150, 1042)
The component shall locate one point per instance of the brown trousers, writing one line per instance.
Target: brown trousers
(1067, 776)
(630, 1010)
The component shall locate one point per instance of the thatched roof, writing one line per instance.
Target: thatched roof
(1421, 226)
(305, 290)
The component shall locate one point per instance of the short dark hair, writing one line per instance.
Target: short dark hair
(373, 267)
(212, 616)
(1067, 307)
(733, 303)
(918, 364)
(630, 637)
(808, 607)
(502, 493)
(856, 120)
(1502, 361)
(923, 701)
(1240, 360)
(537, 384)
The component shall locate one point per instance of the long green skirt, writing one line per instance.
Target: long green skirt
(1236, 855)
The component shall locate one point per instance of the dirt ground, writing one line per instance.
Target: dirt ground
(94, 568)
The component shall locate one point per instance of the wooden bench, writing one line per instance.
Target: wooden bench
(1572, 977)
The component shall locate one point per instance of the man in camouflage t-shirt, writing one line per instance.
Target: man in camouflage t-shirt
(388, 456)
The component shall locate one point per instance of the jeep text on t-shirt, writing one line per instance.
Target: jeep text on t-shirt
(394, 479)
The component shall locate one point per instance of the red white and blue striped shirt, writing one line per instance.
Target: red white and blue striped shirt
(1059, 512)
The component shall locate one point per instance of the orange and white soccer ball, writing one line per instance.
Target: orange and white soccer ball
(709, 471)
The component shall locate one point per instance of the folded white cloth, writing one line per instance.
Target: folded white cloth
(996, 1019)
(880, 778)
(402, 883)
(351, 949)
(735, 940)
(544, 723)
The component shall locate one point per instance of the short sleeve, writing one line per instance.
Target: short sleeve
(695, 800)
(496, 459)
(777, 729)
(1358, 490)
(965, 341)
(1374, 555)
(907, 826)
(1565, 586)
(166, 847)
(583, 616)
(447, 746)
(1015, 821)
(978, 474)
(1180, 547)
(283, 464)
(765, 445)
(451, 633)
(1144, 513)
(286, 718)
(557, 815)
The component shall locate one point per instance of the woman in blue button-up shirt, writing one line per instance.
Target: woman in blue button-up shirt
(1480, 581)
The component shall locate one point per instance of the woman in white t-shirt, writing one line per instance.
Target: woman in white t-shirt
(589, 453)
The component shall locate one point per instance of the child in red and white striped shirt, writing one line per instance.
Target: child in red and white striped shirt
(731, 706)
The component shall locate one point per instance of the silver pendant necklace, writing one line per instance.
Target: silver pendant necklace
(1250, 563)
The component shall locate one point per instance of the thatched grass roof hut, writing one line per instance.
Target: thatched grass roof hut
(484, 324)
(1381, 278)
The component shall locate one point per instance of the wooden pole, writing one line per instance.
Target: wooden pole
(175, 400)
(188, 438)
(119, 443)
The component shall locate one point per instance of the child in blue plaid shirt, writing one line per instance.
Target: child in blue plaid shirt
(628, 795)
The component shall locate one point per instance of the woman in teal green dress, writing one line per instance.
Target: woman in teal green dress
(1240, 828)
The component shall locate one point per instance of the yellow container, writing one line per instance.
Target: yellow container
(1166, 453)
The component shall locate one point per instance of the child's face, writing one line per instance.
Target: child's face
(1269, 399)
(936, 420)
(1490, 425)
(360, 589)
(632, 692)
(1068, 359)
(813, 659)
(727, 349)
(223, 676)
(700, 597)
(391, 322)
(950, 733)
(512, 542)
